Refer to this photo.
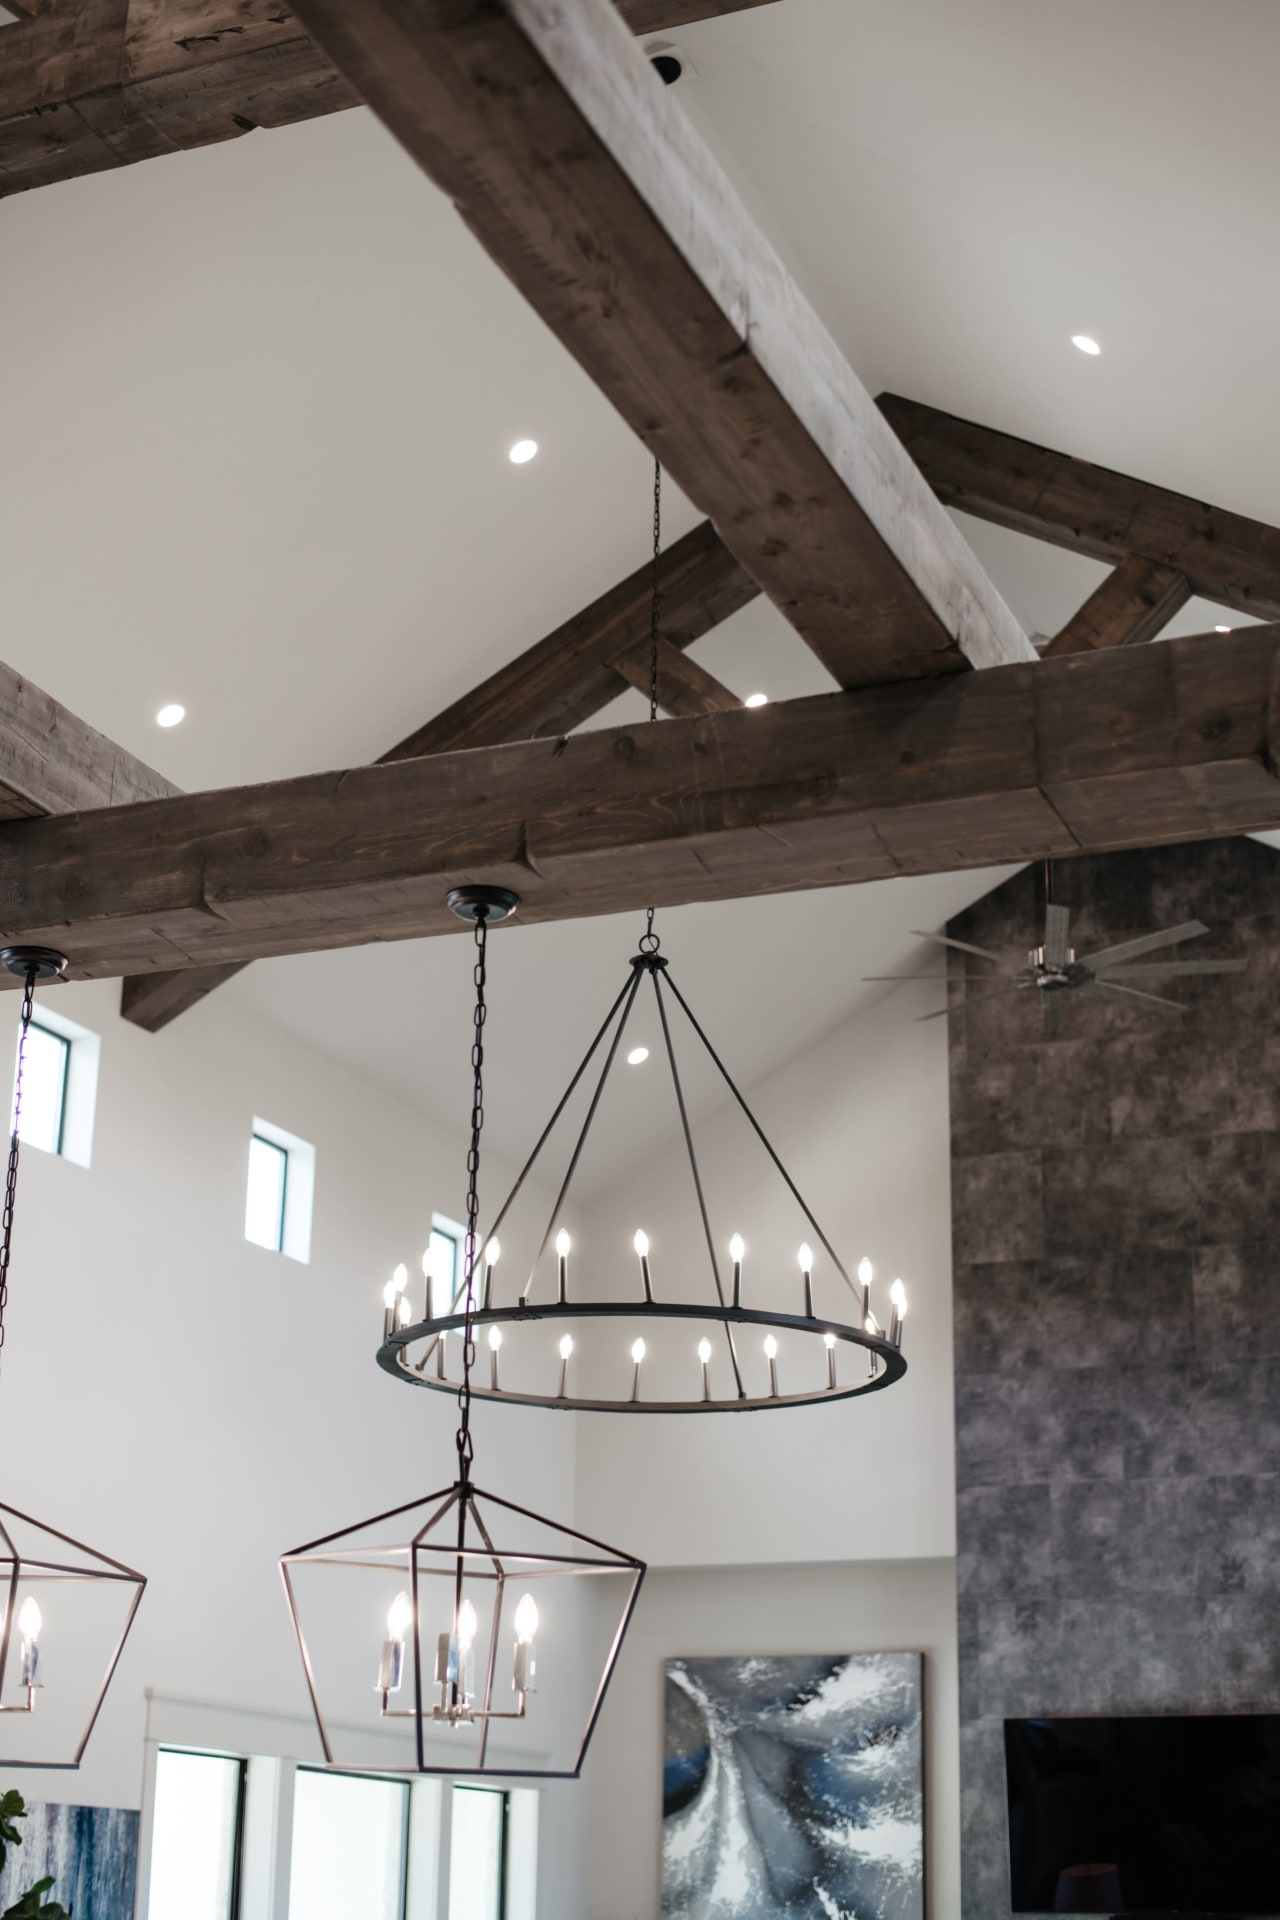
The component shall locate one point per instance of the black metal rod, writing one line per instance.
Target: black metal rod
(761, 1135)
(697, 1178)
(628, 995)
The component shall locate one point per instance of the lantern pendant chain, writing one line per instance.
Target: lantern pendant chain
(470, 1248)
(11, 1175)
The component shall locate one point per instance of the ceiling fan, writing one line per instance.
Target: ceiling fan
(1054, 969)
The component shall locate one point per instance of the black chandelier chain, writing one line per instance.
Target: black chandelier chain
(466, 1447)
(11, 1175)
(650, 942)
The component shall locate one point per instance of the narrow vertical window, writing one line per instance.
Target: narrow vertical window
(268, 1184)
(195, 1837)
(44, 1088)
(477, 1854)
(280, 1191)
(349, 1847)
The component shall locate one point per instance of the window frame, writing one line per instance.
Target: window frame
(297, 1190)
(406, 1811)
(241, 1765)
(64, 1054)
(80, 1050)
(502, 1794)
(276, 1244)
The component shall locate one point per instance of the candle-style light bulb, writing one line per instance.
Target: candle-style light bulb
(563, 1244)
(566, 1346)
(566, 1349)
(898, 1301)
(391, 1667)
(829, 1342)
(704, 1355)
(771, 1355)
(737, 1248)
(390, 1294)
(390, 1300)
(637, 1355)
(805, 1257)
(495, 1339)
(404, 1313)
(467, 1624)
(641, 1244)
(864, 1280)
(30, 1621)
(526, 1630)
(495, 1342)
(638, 1351)
(492, 1254)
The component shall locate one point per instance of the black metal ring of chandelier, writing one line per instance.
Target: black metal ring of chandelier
(887, 1364)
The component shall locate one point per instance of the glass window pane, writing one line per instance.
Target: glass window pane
(44, 1086)
(348, 1848)
(443, 1267)
(193, 1845)
(264, 1207)
(475, 1854)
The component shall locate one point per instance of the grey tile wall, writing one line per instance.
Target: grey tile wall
(1116, 1213)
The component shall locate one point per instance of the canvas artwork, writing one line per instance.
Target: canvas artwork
(796, 1787)
(92, 1853)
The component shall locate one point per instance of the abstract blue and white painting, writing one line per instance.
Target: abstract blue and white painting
(794, 1787)
(92, 1853)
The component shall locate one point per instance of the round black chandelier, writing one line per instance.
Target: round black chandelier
(738, 1341)
(54, 1670)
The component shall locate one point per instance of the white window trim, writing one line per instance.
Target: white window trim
(299, 1188)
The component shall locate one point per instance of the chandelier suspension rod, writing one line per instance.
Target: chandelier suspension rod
(764, 1140)
(421, 1365)
(697, 1177)
(629, 994)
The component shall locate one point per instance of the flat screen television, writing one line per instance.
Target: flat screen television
(1165, 1815)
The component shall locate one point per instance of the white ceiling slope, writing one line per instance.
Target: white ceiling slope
(258, 400)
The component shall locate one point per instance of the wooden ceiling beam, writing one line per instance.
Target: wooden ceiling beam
(1135, 602)
(569, 676)
(1136, 746)
(583, 179)
(551, 688)
(53, 762)
(1013, 483)
(88, 85)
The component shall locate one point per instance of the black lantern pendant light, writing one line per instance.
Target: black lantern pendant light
(455, 1576)
(89, 1600)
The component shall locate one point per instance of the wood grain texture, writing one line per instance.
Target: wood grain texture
(567, 677)
(684, 688)
(103, 83)
(551, 688)
(53, 762)
(1135, 602)
(1013, 483)
(585, 182)
(1137, 746)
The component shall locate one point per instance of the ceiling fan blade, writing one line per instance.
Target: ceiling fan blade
(1146, 943)
(1151, 969)
(1057, 924)
(1130, 997)
(971, 1001)
(961, 946)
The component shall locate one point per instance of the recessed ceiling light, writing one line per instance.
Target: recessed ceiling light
(522, 452)
(1224, 629)
(1085, 342)
(756, 700)
(170, 716)
(637, 1055)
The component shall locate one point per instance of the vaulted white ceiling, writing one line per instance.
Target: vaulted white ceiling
(255, 405)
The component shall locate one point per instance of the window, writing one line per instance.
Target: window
(443, 1263)
(195, 1845)
(477, 1854)
(349, 1847)
(59, 1087)
(280, 1191)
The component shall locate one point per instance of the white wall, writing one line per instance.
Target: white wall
(903, 1606)
(862, 1123)
(193, 1405)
